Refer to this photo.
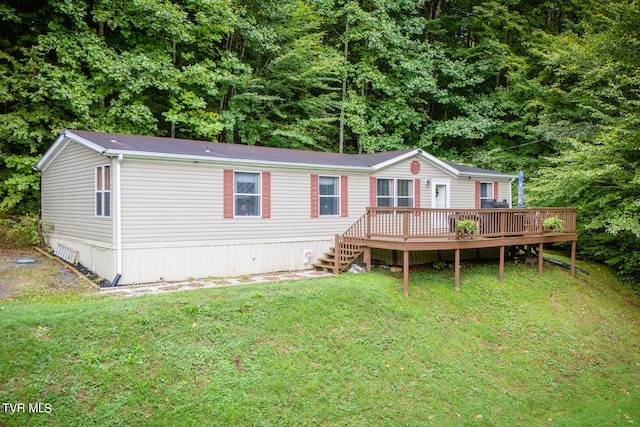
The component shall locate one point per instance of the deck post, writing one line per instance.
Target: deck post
(457, 268)
(540, 259)
(337, 265)
(405, 267)
(405, 225)
(573, 259)
(367, 259)
(501, 275)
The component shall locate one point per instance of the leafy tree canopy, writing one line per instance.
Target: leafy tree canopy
(548, 87)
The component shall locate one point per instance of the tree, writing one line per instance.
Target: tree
(593, 111)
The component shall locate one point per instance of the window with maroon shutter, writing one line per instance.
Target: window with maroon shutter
(246, 194)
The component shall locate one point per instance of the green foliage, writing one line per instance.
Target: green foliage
(553, 223)
(545, 87)
(593, 114)
(22, 231)
(467, 226)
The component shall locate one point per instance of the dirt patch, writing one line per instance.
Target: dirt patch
(43, 273)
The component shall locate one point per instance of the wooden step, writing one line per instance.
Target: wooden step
(328, 262)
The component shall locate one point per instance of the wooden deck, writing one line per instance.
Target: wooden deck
(414, 229)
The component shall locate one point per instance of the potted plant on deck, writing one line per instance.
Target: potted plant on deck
(467, 228)
(553, 224)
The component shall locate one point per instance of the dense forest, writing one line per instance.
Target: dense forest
(548, 87)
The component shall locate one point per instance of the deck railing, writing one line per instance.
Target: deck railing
(350, 244)
(416, 223)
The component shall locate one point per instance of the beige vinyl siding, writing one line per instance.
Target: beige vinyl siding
(182, 204)
(462, 188)
(402, 170)
(504, 191)
(68, 196)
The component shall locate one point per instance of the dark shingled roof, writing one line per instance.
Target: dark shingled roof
(154, 144)
(116, 142)
(472, 170)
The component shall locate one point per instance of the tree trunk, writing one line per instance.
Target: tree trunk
(344, 87)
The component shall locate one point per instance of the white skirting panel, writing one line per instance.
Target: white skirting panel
(96, 257)
(145, 265)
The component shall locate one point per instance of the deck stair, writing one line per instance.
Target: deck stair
(350, 245)
(348, 256)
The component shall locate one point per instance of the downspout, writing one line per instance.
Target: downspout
(118, 217)
(511, 192)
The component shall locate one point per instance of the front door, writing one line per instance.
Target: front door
(441, 196)
(440, 199)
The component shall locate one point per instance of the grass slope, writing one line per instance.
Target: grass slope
(348, 350)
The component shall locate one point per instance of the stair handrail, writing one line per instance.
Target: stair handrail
(354, 235)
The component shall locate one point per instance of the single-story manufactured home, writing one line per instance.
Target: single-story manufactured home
(151, 208)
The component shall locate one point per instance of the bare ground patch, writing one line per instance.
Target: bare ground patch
(45, 274)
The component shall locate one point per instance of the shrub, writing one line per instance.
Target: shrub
(23, 230)
(553, 223)
(467, 226)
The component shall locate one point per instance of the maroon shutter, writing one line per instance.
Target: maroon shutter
(314, 196)
(228, 193)
(495, 191)
(266, 194)
(477, 197)
(373, 191)
(416, 193)
(344, 195)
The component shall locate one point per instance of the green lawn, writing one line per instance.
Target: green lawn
(347, 350)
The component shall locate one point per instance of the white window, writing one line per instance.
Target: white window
(103, 191)
(329, 195)
(246, 193)
(486, 193)
(404, 193)
(394, 193)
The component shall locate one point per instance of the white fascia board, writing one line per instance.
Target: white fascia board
(60, 144)
(53, 151)
(426, 156)
(82, 141)
(228, 160)
(491, 175)
(440, 164)
(395, 160)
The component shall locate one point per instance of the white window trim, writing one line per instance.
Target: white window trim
(259, 194)
(490, 197)
(338, 196)
(102, 192)
(394, 190)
